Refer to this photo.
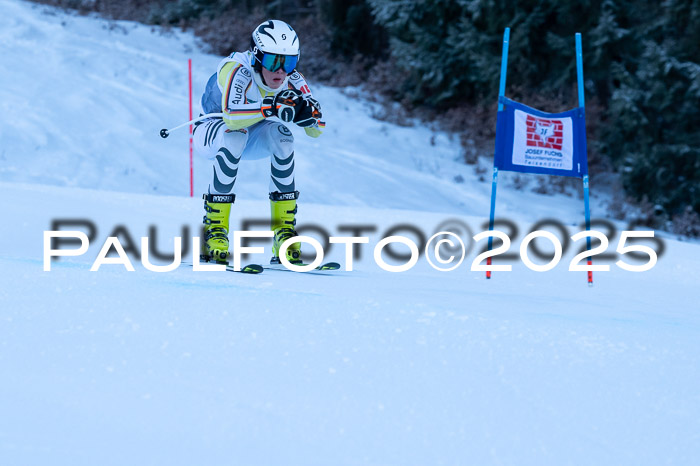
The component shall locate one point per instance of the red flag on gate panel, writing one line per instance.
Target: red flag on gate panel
(532, 141)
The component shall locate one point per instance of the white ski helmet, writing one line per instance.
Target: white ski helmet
(275, 45)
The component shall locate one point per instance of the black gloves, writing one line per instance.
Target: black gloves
(290, 106)
(283, 105)
(309, 114)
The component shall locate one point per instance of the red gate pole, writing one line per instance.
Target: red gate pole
(189, 72)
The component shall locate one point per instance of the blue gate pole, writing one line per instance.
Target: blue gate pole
(581, 104)
(494, 181)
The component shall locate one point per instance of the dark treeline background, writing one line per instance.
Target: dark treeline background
(440, 61)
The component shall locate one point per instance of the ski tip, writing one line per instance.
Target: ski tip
(329, 266)
(250, 268)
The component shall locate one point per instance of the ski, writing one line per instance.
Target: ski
(327, 267)
(257, 268)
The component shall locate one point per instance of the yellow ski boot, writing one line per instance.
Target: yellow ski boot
(218, 207)
(283, 208)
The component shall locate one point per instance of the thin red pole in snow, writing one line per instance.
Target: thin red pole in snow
(189, 72)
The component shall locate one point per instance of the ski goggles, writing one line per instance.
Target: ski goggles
(274, 62)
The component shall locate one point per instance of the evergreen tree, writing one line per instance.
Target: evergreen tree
(641, 61)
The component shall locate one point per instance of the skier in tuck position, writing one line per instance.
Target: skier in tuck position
(258, 91)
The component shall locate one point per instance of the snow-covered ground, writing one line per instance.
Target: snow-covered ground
(356, 368)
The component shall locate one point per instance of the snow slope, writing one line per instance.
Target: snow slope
(356, 368)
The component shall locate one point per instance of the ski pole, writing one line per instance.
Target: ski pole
(164, 133)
